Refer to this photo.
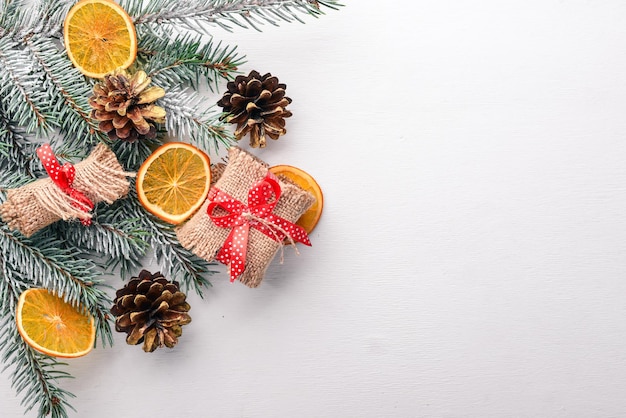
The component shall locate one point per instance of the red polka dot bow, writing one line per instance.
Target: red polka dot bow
(262, 199)
(63, 177)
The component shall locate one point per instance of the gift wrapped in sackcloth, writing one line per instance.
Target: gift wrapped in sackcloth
(243, 202)
(70, 191)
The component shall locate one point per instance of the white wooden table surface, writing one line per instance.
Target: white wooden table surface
(471, 260)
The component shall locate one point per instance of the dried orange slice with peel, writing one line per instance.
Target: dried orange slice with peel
(99, 37)
(310, 218)
(174, 181)
(52, 326)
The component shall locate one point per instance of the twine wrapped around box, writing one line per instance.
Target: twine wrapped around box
(98, 178)
(202, 235)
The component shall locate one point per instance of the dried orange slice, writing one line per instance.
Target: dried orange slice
(99, 37)
(309, 219)
(52, 326)
(174, 181)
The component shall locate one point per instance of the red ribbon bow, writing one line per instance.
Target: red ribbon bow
(262, 199)
(63, 177)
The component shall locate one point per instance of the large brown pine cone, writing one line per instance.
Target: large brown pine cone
(125, 107)
(257, 105)
(152, 310)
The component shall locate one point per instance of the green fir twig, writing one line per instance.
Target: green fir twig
(21, 20)
(49, 263)
(121, 242)
(34, 375)
(56, 265)
(186, 119)
(175, 261)
(184, 59)
(224, 13)
(68, 94)
(17, 148)
(23, 97)
(132, 154)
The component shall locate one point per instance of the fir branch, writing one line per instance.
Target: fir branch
(68, 92)
(175, 261)
(34, 375)
(51, 17)
(185, 59)
(132, 154)
(224, 13)
(18, 151)
(13, 179)
(173, 60)
(20, 20)
(13, 18)
(185, 118)
(120, 240)
(23, 97)
(60, 267)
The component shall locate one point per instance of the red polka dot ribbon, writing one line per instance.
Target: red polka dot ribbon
(262, 199)
(63, 177)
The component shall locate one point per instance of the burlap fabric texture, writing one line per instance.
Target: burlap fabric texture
(205, 239)
(34, 206)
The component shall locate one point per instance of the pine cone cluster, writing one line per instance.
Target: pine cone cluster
(257, 105)
(152, 310)
(124, 106)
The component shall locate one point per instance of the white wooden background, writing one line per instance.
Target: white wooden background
(471, 259)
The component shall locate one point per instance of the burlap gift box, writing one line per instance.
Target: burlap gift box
(205, 239)
(36, 205)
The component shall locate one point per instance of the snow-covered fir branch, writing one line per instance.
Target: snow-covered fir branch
(21, 20)
(195, 15)
(186, 118)
(24, 98)
(186, 59)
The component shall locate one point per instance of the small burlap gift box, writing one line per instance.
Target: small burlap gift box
(243, 171)
(100, 178)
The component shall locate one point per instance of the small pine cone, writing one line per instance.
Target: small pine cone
(124, 106)
(257, 105)
(152, 310)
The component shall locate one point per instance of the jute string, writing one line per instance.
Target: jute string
(272, 227)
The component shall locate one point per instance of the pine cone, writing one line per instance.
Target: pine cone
(125, 106)
(152, 310)
(257, 105)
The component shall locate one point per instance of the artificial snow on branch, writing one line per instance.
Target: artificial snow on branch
(173, 59)
(224, 13)
(21, 20)
(186, 118)
(24, 99)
